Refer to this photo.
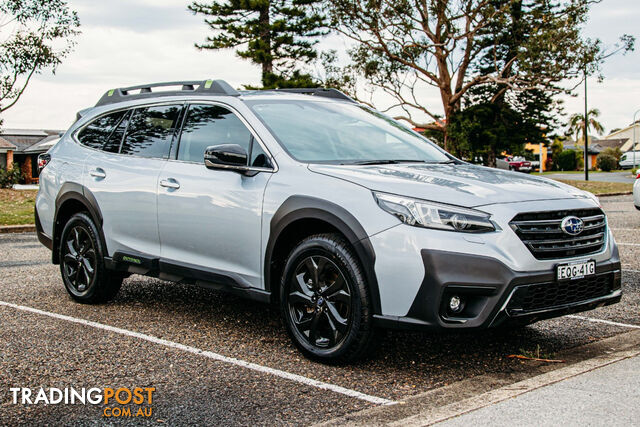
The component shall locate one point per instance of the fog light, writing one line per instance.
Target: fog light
(455, 304)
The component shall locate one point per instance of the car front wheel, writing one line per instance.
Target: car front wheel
(325, 300)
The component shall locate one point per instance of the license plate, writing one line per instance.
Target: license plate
(576, 270)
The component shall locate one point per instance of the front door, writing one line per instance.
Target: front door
(211, 219)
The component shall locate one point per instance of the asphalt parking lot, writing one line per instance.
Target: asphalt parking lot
(215, 358)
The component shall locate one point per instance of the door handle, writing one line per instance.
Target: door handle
(98, 173)
(170, 183)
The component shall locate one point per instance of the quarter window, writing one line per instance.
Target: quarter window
(97, 133)
(208, 125)
(150, 131)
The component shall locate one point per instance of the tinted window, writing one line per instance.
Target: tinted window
(150, 131)
(115, 139)
(96, 134)
(208, 125)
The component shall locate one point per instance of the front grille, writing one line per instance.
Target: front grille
(541, 233)
(540, 296)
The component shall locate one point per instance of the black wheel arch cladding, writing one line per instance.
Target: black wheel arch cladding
(74, 192)
(297, 208)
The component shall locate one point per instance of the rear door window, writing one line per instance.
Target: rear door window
(150, 131)
(96, 134)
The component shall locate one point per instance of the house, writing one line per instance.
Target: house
(540, 151)
(6, 153)
(22, 146)
(596, 146)
(628, 134)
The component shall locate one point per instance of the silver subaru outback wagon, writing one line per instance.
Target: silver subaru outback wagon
(346, 219)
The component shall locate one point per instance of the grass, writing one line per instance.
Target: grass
(16, 206)
(599, 188)
(577, 172)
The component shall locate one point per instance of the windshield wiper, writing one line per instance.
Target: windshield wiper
(448, 162)
(383, 162)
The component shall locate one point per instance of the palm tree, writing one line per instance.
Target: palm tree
(576, 124)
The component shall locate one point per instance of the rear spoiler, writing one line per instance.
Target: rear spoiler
(80, 114)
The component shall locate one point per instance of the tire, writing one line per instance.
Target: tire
(325, 301)
(82, 262)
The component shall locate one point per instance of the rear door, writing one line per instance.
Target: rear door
(211, 219)
(123, 177)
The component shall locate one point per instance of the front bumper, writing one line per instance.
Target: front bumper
(490, 289)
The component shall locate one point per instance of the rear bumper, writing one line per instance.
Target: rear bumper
(489, 289)
(43, 238)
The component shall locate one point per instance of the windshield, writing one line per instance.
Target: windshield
(330, 132)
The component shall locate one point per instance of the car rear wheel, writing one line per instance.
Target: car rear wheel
(82, 265)
(325, 301)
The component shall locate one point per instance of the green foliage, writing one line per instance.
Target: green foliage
(567, 160)
(606, 162)
(615, 152)
(275, 34)
(575, 126)
(489, 129)
(9, 177)
(513, 52)
(36, 35)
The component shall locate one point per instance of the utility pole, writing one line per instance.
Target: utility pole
(586, 127)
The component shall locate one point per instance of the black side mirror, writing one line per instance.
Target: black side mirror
(226, 156)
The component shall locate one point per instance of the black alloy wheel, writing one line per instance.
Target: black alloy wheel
(320, 301)
(79, 259)
(325, 301)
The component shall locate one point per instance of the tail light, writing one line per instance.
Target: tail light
(638, 177)
(43, 160)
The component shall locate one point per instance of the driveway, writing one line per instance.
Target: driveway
(595, 176)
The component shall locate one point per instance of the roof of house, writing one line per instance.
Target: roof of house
(22, 139)
(4, 144)
(44, 145)
(612, 143)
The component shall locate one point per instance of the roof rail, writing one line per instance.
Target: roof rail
(195, 87)
(320, 91)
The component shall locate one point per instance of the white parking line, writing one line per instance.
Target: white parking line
(630, 270)
(210, 355)
(607, 322)
(625, 229)
(627, 244)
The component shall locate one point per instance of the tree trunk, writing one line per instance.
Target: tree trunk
(265, 36)
(491, 156)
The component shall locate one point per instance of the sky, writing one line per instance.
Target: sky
(128, 42)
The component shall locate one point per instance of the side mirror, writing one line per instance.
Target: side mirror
(226, 156)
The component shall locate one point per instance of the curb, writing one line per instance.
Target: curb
(615, 194)
(28, 228)
(465, 396)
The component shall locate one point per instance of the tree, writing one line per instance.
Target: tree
(274, 34)
(403, 46)
(575, 126)
(37, 35)
(485, 130)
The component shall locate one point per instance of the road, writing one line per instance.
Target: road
(214, 358)
(624, 176)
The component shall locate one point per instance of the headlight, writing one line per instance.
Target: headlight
(421, 213)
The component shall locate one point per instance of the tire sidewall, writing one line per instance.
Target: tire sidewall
(354, 278)
(84, 221)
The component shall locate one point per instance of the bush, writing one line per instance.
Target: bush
(566, 160)
(606, 162)
(615, 152)
(9, 177)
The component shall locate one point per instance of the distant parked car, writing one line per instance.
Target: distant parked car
(514, 163)
(627, 161)
(636, 192)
